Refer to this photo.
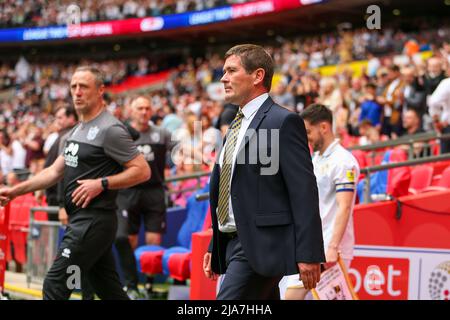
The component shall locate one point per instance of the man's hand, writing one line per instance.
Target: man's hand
(309, 274)
(6, 195)
(437, 123)
(86, 191)
(381, 100)
(331, 256)
(207, 267)
(62, 216)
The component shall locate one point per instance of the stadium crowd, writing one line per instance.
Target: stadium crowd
(385, 99)
(28, 13)
(379, 85)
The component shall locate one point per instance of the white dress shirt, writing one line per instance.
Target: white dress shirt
(249, 111)
(439, 101)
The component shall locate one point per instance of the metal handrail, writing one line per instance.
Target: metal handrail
(414, 162)
(202, 196)
(409, 139)
(196, 175)
(368, 170)
(52, 210)
(49, 209)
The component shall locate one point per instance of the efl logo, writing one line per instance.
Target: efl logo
(380, 278)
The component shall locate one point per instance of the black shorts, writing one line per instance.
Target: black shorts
(148, 203)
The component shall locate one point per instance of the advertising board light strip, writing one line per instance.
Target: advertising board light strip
(150, 24)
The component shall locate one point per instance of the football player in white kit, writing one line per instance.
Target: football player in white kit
(336, 173)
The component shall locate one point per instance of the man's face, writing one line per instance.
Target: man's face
(409, 120)
(62, 121)
(434, 67)
(370, 91)
(238, 84)
(392, 75)
(383, 78)
(141, 110)
(85, 92)
(408, 76)
(356, 84)
(315, 137)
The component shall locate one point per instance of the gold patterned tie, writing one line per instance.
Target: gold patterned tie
(225, 172)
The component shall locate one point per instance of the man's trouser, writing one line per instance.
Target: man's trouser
(86, 250)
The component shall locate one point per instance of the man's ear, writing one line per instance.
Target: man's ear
(324, 126)
(259, 76)
(101, 90)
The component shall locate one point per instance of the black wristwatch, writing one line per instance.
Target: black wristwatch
(105, 183)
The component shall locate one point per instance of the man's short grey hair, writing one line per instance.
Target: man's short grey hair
(99, 78)
(140, 96)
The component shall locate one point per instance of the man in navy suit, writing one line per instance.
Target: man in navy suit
(263, 192)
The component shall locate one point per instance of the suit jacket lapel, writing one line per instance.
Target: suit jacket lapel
(260, 114)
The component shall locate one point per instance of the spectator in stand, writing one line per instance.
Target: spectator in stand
(51, 134)
(354, 103)
(370, 109)
(363, 131)
(343, 112)
(171, 121)
(212, 140)
(306, 92)
(412, 122)
(226, 117)
(412, 93)
(374, 136)
(66, 118)
(19, 153)
(12, 179)
(34, 144)
(330, 95)
(41, 13)
(190, 134)
(372, 65)
(382, 81)
(413, 125)
(445, 52)
(390, 99)
(435, 74)
(5, 154)
(283, 96)
(411, 47)
(439, 109)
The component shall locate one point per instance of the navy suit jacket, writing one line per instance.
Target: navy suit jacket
(276, 214)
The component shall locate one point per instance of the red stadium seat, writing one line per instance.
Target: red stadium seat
(180, 263)
(398, 181)
(19, 224)
(154, 259)
(443, 183)
(4, 229)
(421, 178)
(361, 157)
(179, 266)
(151, 262)
(435, 148)
(445, 179)
(398, 178)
